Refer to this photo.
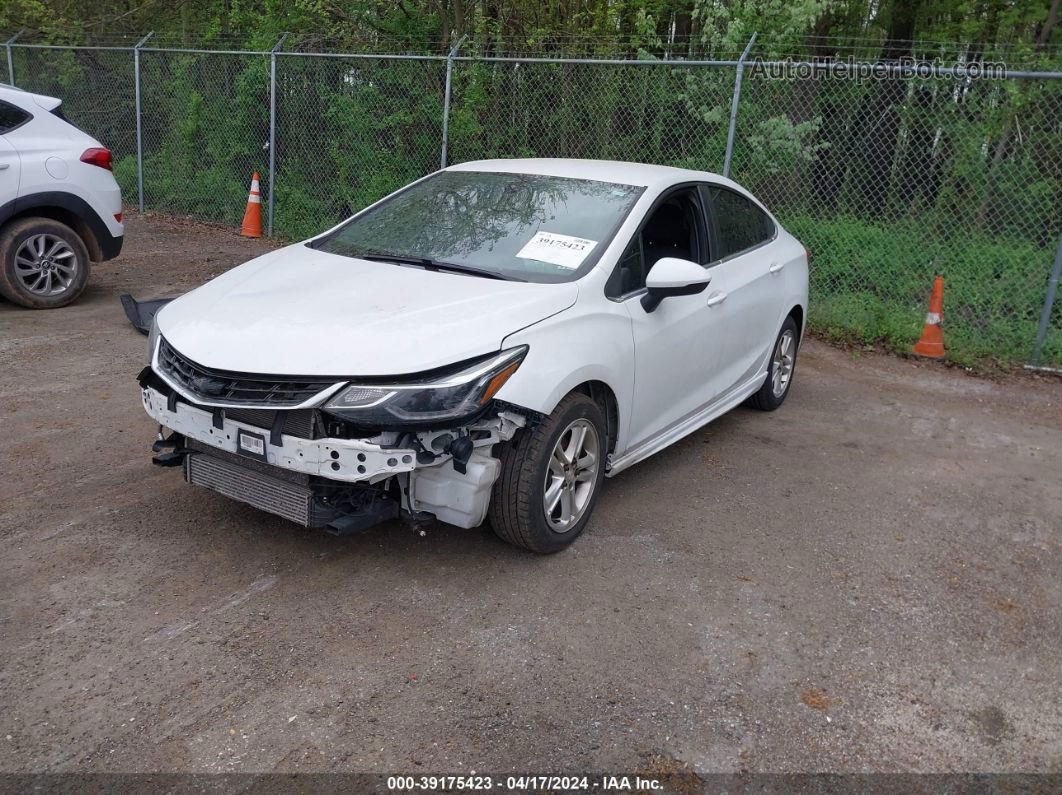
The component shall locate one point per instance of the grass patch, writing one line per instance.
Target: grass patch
(870, 283)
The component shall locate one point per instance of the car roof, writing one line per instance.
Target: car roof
(641, 174)
(27, 99)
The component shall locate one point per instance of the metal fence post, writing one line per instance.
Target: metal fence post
(10, 60)
(734, 106)
(272, 129)
(139, 129)
(446, 100)
(1049, 303)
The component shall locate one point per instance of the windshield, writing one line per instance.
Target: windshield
(521, 226)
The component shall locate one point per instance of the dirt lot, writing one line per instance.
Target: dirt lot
(868, 579)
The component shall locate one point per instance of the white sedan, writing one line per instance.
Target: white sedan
(489, 342)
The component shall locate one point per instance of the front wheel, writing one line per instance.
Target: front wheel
(550, 477)
(780, 369)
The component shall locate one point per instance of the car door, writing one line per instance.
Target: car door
(745, 281)
(9, 172)
(10, 165)
(676, 346)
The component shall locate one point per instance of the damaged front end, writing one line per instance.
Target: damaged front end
(337, 454)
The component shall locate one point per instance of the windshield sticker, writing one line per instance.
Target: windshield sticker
(563, 250)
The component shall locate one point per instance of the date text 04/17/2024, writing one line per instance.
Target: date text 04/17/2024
(524, 783)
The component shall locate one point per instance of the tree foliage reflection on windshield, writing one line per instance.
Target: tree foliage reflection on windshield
(485, 219)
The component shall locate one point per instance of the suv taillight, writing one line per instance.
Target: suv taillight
(97, 156)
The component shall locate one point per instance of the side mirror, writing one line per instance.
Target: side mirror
(672, 276)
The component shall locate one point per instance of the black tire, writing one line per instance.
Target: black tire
(517, 512)
(12, 287)
(765, 399)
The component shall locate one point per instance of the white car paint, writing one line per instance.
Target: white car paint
(301, 311)
(49, 151)
(672, 272)
(681, 361)
(10, 170)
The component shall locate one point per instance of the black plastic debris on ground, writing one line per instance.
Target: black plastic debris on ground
(141, 313)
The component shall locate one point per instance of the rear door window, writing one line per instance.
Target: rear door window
(739, 223)
(11, 117)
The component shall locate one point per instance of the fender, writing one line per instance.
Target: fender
(764, 360)
(105, 245)
(562, 356)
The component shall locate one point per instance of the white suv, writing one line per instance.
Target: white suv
(60, 207)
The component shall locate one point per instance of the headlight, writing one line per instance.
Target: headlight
(435, 399)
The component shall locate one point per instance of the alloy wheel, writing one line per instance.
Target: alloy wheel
(572, 475)
(782, 363)
(45, 264)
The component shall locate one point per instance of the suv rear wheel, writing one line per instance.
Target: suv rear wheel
(44, 263)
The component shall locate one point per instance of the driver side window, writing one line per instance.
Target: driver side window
(673, 229)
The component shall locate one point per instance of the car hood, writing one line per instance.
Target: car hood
(299, 311)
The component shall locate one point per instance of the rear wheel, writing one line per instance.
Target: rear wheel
(44, 263)
(780, 369)
(550, 478)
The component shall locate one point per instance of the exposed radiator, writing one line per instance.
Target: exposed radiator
(286, 496)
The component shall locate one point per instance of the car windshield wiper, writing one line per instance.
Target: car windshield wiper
(436, 265)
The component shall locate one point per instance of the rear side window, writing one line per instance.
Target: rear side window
(740, 223)
(12, 117)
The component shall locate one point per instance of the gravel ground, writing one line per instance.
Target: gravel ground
(866, 580)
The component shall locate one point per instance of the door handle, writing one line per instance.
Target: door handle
(716, 298)
(4, 165)
(776, 266)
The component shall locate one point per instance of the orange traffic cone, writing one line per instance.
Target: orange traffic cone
(252, 216)
(931, 344)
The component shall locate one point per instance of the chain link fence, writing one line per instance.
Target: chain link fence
(96, 86)
(890, 182)
(350, 130)
(205, 120)
(887, 181)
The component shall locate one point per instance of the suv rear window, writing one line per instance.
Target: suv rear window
(12, 117)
